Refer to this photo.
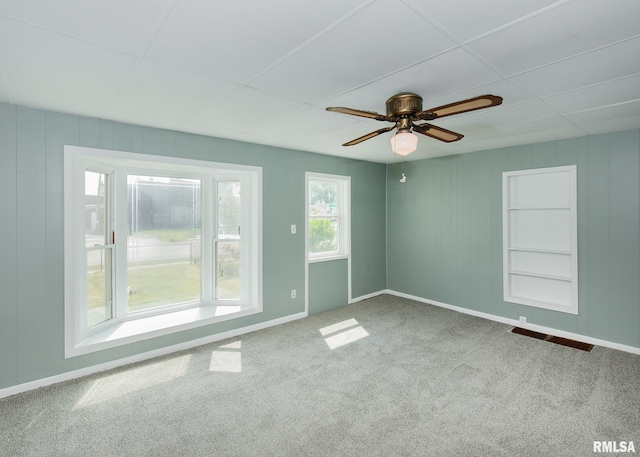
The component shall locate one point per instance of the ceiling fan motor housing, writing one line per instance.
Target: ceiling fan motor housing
(405, 104)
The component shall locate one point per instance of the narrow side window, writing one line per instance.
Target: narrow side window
(99, 243)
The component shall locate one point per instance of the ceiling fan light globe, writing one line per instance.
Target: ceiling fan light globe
(404, 143)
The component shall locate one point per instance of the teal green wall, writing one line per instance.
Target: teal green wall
(328, 286)
(31, 230)
(442, 239)
(444, 232)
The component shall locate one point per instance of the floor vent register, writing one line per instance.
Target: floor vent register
(553, 339)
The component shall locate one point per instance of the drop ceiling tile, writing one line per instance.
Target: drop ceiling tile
(515, 135)
(52, 71)
(612, 125)
(510, 94)
(246, 107)
(156, 93)
(601, 65)
(599, 95)
(235, 41)
(528, 138)
(497, 116)
(447, 73)
(353, 53)
(538, 126)
(569, 29)
(95, 21)
(470, 18)
(621, 111)
(306, 124)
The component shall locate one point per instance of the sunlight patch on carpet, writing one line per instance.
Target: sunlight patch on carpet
(344, 337)
(227, 358)
(339, 326)
(133, 380)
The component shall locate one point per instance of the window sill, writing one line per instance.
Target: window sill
(119, 333)
(328, 258)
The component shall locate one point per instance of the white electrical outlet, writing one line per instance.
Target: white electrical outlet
(523, 320)
(293, 229)
(293, 293)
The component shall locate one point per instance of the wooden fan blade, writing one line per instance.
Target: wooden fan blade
(369, 135)
(437, 132)
(357, 112)
(463, 106)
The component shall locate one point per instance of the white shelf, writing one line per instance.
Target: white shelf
(519, 208)
(541, 251)
(538, 275)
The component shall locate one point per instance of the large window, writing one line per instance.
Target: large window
(155, 245)
(328, 221)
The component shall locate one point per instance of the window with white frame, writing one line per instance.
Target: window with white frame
(328, 216)
(155, 245)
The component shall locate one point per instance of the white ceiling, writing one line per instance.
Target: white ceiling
(264, 71)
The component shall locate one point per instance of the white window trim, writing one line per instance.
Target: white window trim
(148, 325)
(347, 233)
(345, 218)
(571, 253)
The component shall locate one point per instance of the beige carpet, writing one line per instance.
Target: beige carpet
(383, 377)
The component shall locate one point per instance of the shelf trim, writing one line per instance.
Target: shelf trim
(540, 251)
(541, 275)
(519, 208)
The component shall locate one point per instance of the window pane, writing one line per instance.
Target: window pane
(323, 234)
(229, 210)
(95, 210)
(227, 270)
(227, 252)
(98, 286)
(323, 198)
(163, 246)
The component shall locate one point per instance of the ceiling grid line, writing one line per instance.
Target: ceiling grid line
(139, 58)
(311, 40)
(247, 72)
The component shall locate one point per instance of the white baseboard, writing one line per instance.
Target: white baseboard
(13, 390)
(366, 297)
(515, 323)
(6, 392)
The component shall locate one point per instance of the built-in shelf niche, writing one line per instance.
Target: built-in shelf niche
(540, 238)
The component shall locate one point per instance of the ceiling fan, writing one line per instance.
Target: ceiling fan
(405, 109)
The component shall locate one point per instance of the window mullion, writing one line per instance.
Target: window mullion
(121, 243)
(208, 224)
(245, 239)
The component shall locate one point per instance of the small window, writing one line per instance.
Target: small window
(328, 218)
(540, 238)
